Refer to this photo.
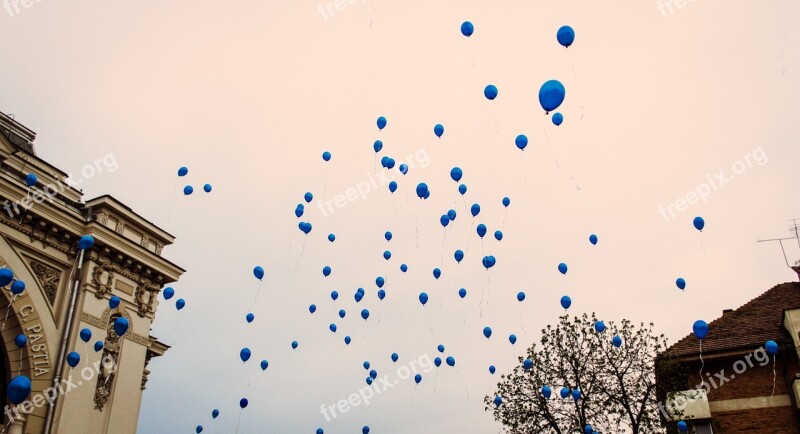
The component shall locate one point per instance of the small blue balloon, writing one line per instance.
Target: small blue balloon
(423, 298)
(21, 340)
(440, 348)
(492, 369)
(456, 173)
(73, 359)
(450, 360)
(576, 394)
(395, 357)
(243, 403)
(462, 292)
(312, 308)
(369, 381)
(214, 413)
(521, 141)
(481, 230)
(6, 276)
(771, 347)
(331, 237)
(298, 212)
(527, 364)
(387, 235)
(599, 326)
(364, 314)
(85, 334)
(308, 197)
(593, 239)
(294, 345)
(113, 302)
(506, 201)
(558, 119)
(365, 430)
(31, 179)
(250, 317)
(566, 302)
(467, 28)
(498, 235)
(359, 295)
(403, 168)
(546, 392)
(366, 364)
(588, 429)
(616, 341)
(199, 429)
(188, 190)
(437, 361)
(305, 227)
(422, 190)
(513, 339)
(380, 281)
(487, 331)
(489, 261)
(444, 220)
(392, 186)
(682, 426)
(347, 340)
(258, 272)
(390, 163)
(326, 156)
(377, 146)
(381, 294)
(451, 214)
(459, 255)
(86, 242)
(498, 401)
(98, 346)
(438, 129)
(326, 271)
(342, 313)
(700, 329)
(564, 392)
(381, 123)
(373, 374)
(207, 188)
(565, 36)
(17, 287)
(264, 365)
(183, 171)
(562, 268)
(403, 268)
(334, 295)
(180, 304)
(475, 209)
(462, 189)
(244, 354)
(520, 296)
(417, 378)
(551, 95)
(332, 327)
(681, 283)
(437, 273)
(490, 92)
(699, 223)
(168, 293)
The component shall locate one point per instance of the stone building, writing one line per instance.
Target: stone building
(67, 291)
(743, 389)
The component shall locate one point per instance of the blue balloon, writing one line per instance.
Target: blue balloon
(366, 364)
(180, 304)
(395, 357)
(513, 339)
(326, 156)
(183, 171)
(492, 369)
(331, 237)
(566, 302)
(342, 313)
(369, 381)
(546, 392)
(565, 36)
(373, 374)
(616, 341)
(490, 92)
(459, 255)
(422, 190)
(365, 430)
(214, 413)
(599, 326)
(527, 364)
(489, 261)
(475, 209)
(498, 401)
(487, 331)
(258, 272)
(387, 255)
(332, 327)
(86, 242)
(593, 239)
(250, 317)
(320, 431)
(506, 201)
(168, 293)
(437, 273)
(417, 378)
(456, 173)
(520, 296)
(390, 163)
(86, 335)
(423, 298)
(18, 389)
(244, 354)
(308, 197)
(451, 214)
(481, 229)
(188, 190)
(377, 146)
(381, 123)
(121, 326)
(381, 294)
(21, 340)
(462, 189)
(771, 347)
(588, 429)
(576, 394)
(294, 345)
(558, 119)
(440, 348)
(364, 314)
(700, 329)
(334, 295)
(17, 287)
(462, 292)
(359, 295)
(444, 220)
(207, 188)
(551, 95)
(326, 271)
(564, 392)
(467, 28)
(498, 235)
(403, 168)
(437, 361)
(305, 227)
(392, 187)
(312, 308)
(387, 235)
(699, 223)
(438, 129)
(347, 340)
(562, 268)
(682, 426)
(403, 268)
(98, 346)
(31, 179)
(73, 359)
(450, 360)
(199, 429)
(6, 276)
(379, 282)
(521, 141)
(680, 283)
(243, 403)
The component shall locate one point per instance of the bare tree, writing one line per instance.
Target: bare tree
(591, 381)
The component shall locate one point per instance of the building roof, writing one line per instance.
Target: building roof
(750, 326)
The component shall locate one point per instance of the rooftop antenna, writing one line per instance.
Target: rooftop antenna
(794, 229)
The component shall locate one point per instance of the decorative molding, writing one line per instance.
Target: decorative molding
(102, 218)
(146, 294)
(97, 278)
(103, 322)
(48, 277)
(108, 371)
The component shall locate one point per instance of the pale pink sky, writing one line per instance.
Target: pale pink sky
(249, 94)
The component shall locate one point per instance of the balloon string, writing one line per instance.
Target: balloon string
(773, 375)
(8, 308)
(702, 362)
(239, 419)
(258, 291)
(302, 250)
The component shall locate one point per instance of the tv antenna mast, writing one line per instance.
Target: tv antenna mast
(794, 229)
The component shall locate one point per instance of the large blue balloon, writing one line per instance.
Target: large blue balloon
(438, 130)
(86, 242)
(18, 389)
(381, 123)
(565, 36)
(365, 430)
(481, 229)
(199, 429)
(459, 255)
(244, 354)
(700, 329)
(521, 141)
(699, 223)
(377, 146)
(258, 272)
(682, 426)
(17, 287)
(487, 331)
(467, 28)
(490, 92)
(566, 302)
(188, 190)
(168, 293)
(456, 173)
(450, 360)
(121, 326)
(551, 95)
(21, 340)
(423, 298)
(73, 359)
(85, 334)
(6, 276)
